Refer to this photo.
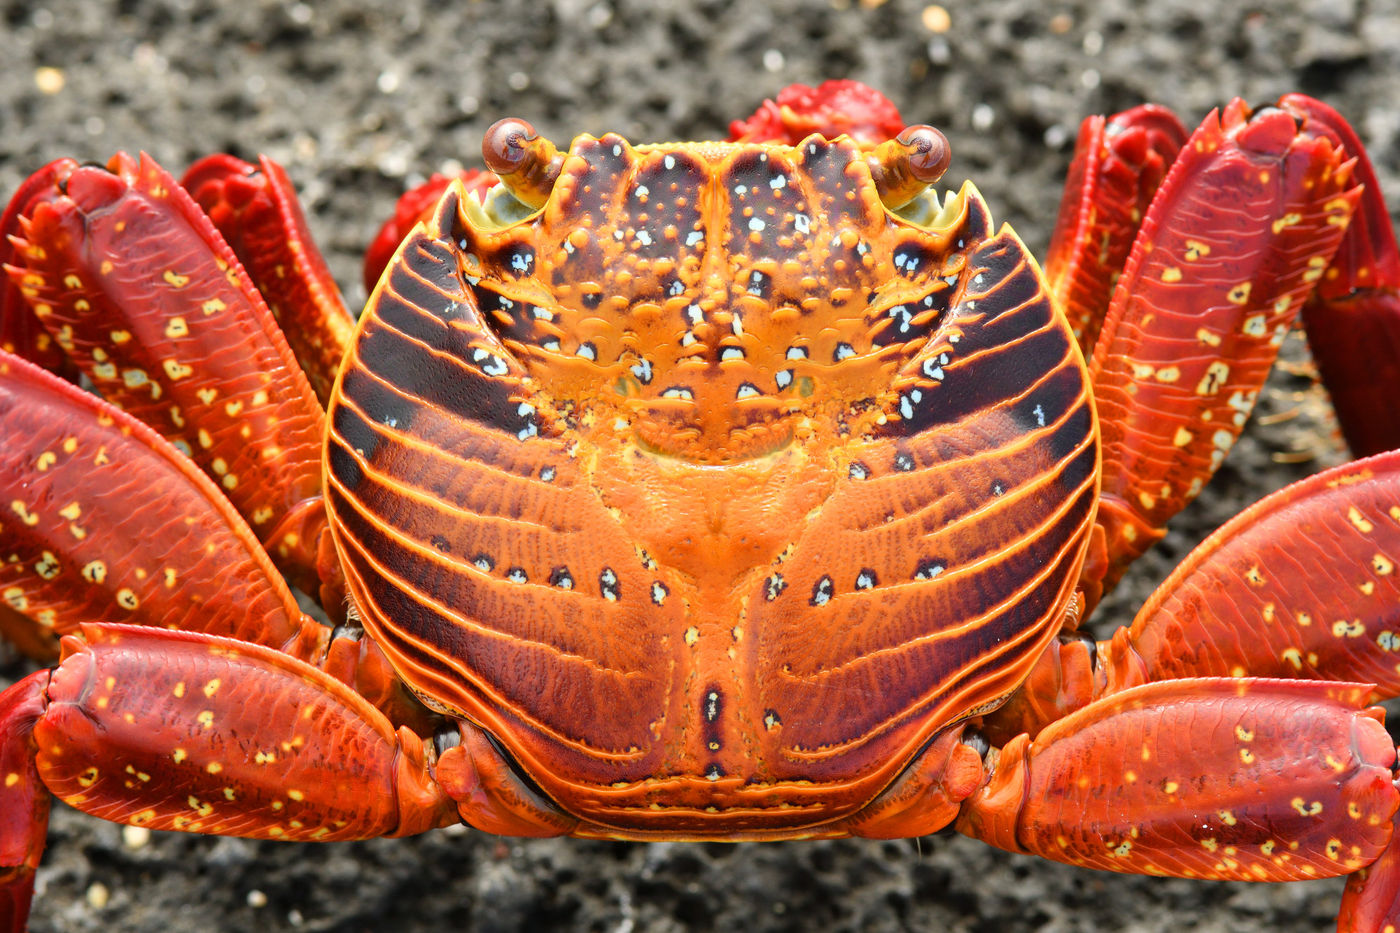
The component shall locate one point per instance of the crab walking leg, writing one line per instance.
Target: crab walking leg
(1353, 319)
(1239, 233)
(24, 802)
(256, 210)
(20, 331)
(182, 731)
(1118, 165)
(104, 520)
(1302, 584)
(1221, 778)
(138, 288)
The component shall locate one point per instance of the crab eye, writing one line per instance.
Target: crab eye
(904, 166)
(527, 163)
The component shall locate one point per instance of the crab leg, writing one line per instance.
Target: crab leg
(1353, 319)
(185, 731)
(1226, 778)
(1244, 226)
(106, 521)
(20, 331)
(136, 286)
(1118, 165)
(256, 210)
(1303, 584)
(103, 520)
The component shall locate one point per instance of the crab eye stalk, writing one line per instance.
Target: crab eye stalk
(904, 166)
(527, 163)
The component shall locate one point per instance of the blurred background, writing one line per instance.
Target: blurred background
(360, 100)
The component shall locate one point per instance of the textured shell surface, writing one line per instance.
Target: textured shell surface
(715, 488)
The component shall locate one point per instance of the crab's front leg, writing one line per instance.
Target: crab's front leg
(256, 210)
(185, 731)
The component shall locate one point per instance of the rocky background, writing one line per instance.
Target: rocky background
(360, 100)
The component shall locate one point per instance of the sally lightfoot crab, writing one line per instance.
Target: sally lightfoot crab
(721, 490)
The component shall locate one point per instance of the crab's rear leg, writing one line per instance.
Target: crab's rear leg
(133, 282)
(1119, 163)
(1244, 226)
(185, 731)
(256, 210)
(1353, 318)
(1225, 778)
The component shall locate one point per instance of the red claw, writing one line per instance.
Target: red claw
(833, 108)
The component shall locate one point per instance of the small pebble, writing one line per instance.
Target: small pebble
(135, 837)
(48, 80)
(98, 895)
(256, 899)
(936, 19)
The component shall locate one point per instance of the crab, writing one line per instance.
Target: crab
(717, 490)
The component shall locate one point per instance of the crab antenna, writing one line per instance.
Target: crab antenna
(904, 166)
(526, 162)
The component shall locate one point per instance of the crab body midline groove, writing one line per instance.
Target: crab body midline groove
(726, 490)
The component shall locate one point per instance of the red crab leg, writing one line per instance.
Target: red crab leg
(106, 521)
(1245, 224)
(1303, 584)
(1353, 318)
(183, 731)
(20, 331)
(1118, 165)
(1226, 778)
(138, 288)
(24, 803)
(103, 520)
(256, 210)
(416, 205)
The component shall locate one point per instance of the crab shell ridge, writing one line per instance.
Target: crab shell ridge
(712, 490)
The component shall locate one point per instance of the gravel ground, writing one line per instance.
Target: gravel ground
(359, 100)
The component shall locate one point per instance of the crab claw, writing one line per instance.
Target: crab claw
(833, 108)
(906, 165)
(526, 162)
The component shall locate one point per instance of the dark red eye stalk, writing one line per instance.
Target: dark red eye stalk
(527, 163)
(904, 166)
